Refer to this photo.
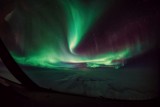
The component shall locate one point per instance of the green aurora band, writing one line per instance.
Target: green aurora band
(49, 31)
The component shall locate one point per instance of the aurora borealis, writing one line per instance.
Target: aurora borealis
(73, 46)
(63, 33)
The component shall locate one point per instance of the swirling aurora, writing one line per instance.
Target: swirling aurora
(51, 34)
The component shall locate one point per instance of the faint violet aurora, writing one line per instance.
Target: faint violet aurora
(47, 32)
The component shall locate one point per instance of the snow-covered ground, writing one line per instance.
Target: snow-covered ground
(133, 82)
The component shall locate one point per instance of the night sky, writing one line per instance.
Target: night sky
(97, 33)
(78, 40)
